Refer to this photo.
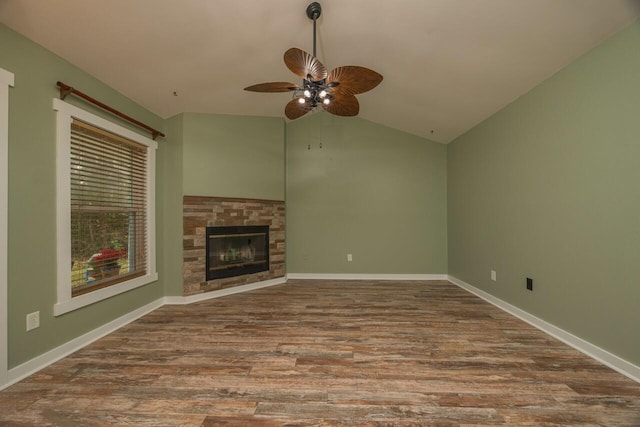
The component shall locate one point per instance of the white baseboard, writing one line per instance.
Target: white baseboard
(325, 276)
(616, 363)
(34, 365)
(224, 292)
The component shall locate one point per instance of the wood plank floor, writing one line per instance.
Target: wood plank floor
(332, 353)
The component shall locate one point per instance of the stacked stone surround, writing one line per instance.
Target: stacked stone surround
(202, 212)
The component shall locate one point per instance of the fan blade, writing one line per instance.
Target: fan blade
(353, 79)
(304, 65)
(295, 109)
(272, 87)
(343, 105)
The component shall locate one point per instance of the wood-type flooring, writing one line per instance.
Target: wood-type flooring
(327, 353)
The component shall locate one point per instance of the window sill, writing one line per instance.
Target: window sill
(102, 294)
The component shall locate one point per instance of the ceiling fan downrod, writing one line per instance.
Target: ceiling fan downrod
(314, 10)
(314, 92)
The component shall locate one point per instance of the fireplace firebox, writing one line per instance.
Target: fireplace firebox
(235, 251)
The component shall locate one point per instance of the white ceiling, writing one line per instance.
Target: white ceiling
(447, 64)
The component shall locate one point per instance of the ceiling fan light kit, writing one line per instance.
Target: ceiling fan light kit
(334, 92)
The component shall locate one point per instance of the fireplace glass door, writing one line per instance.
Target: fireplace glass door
(235, 251)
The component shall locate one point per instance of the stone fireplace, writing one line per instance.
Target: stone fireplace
(241, 240)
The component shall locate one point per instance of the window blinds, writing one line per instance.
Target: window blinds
(108, 208)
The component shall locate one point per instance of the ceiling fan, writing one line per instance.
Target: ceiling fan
(334, 92)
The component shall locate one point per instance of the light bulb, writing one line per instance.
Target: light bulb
(307, 93)
(326, 101)
(301, 100)
(323, 94)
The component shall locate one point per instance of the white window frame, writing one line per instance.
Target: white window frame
(65, 113)
(6, 80)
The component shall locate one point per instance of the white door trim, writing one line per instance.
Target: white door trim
(6, 80)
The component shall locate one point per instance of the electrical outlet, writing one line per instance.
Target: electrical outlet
(33, 320)
(529, 283)
(493, 275)
(349, 257)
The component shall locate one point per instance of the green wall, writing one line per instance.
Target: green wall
(549, 188)
(546, 188)
(171, 251)
(233, 156)
(32, 193)
(361, 188)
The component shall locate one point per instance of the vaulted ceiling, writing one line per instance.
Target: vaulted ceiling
(447, 64)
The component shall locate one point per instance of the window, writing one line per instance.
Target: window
(108, 215)
(105, 208)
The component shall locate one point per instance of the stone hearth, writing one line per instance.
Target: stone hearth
(202, 212)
